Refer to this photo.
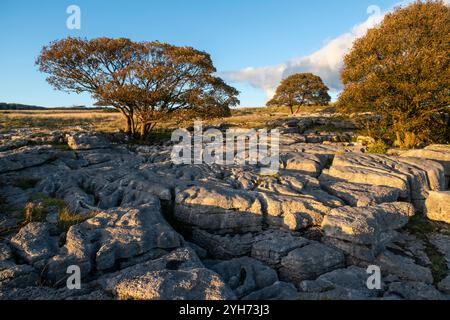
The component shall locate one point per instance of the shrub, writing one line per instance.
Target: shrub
(378, 147)
(401, 71)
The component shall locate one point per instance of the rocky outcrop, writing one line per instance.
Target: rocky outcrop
(273, 246)
(414, 179)
(245, 275)
(309, 262)
(178, 275)
(36, 243)
(87, 141)
(364, 232)
(215, 207)
(112, 237)
(437, 206)
(156, 230)
(341, 284)
(437, 152)
(25, 157)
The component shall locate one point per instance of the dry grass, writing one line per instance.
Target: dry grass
(67, 219)
(113, 121)
(60, 119)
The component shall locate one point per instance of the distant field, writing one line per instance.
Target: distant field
(113, 121)
(59, 119)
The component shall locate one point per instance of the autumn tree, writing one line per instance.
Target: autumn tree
(148, 82)
(401, 71)
(300, 89)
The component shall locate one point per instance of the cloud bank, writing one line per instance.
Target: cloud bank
(325, 62)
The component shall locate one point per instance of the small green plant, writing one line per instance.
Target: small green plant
(378, 147)
(61, 146)
(34, 212)
(329, 162)
(66, 219)
(39, 206)
(26, 182)
(421, 227)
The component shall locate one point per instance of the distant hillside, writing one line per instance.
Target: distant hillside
(18, 106)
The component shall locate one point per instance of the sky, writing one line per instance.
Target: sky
(254, 44)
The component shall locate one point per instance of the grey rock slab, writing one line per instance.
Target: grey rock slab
(277, 291)
(178, 275)
(271, 246)
(309, 262)
(369, 226)
(245, 275)
(349, 283)
(26, 157)
(403, 267)
(437, 206)
(36, 242)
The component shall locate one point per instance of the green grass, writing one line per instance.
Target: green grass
(61, 146)
(159, 136)
(67, 219)
(378, 147)
(421, 227)
(25, 182)
(39, 206)
(328, 163)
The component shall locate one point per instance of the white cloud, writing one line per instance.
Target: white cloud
(326, 62)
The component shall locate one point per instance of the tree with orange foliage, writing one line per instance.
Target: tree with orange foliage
(401, 71)
(300, 89)
(148, 82)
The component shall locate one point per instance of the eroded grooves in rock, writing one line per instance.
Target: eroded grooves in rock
(141, 227)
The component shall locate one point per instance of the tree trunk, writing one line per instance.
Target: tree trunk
(292, 109)
(128, 129)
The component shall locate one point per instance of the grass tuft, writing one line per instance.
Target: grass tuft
(378, 147)
(26, 182)
(67, 219)
(421, 227)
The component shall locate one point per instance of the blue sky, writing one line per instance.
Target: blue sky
(253, 43)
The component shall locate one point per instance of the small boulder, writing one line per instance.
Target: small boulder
(437, 206)
(36, 242)
(309, 262)
(87, 141)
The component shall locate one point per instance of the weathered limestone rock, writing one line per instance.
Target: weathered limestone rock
(17, 276)
(412, 177)
(358, 194)
(294, 213)
(178, 275)
(371, 177)
(36, 242)
(303, 162)
(87, 141)
(113, 235)
(403, 267)
(365, 231)
(223, 246)
(277, 291)
(310, 262)
(272, 246)
(342, 284)
(245, 275)
(413, 291)
(25, 157)
(438, 153)
(437, 206)
(47, 293)
(444, 285)
(442, 244)
(5, 252)
(214, 207)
